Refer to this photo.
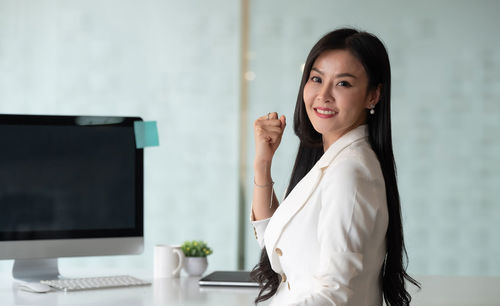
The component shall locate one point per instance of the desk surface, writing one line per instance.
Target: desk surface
(436, 291)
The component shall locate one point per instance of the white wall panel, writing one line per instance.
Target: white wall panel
(176, 62)
(446, 115)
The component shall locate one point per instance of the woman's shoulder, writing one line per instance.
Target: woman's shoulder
(356, 170)
(358, 158)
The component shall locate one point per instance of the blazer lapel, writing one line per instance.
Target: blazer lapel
(288, 208)
(299, 196)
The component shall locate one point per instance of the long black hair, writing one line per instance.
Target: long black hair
(370, 51)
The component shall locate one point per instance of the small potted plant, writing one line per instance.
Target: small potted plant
(196, 253)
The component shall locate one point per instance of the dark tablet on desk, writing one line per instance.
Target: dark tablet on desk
(228, 278)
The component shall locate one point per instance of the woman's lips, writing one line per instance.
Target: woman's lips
(324, 112)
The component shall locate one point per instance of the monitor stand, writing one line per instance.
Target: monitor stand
(35, 270)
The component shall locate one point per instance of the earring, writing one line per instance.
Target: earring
(372, 109)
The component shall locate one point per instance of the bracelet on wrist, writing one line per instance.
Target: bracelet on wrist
(263, 186)
(266, 186)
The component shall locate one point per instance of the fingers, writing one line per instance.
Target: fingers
(262, 129)
(272, 121)
(270, 138)
(283, 121)
(268, 134)
(268, 130)
(272, 115)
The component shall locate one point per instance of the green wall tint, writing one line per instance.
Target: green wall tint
(177, 62)
(445, 114)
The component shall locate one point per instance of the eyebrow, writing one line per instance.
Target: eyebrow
(340, 75)
(345, 74)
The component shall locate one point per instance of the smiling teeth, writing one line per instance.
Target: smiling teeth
(325, 112)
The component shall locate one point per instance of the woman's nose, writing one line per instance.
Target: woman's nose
(325, 93)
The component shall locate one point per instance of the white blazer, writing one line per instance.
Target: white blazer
(327, 238)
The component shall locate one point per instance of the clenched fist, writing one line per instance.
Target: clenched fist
(268, 131)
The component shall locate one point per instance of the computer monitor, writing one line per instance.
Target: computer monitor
(69, 186)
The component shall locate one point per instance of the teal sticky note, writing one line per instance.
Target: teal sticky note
(146, 134)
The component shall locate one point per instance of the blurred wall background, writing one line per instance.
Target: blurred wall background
(175, 62)
(178, 62)
(445, 62)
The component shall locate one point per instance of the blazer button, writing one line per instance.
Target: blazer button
(283, 277)
(278, 251)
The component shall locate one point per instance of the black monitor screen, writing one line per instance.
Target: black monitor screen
(63, 180)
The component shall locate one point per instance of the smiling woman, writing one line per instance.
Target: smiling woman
(337, 238)
(336, 95)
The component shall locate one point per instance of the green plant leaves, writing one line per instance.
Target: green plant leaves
(196, 248)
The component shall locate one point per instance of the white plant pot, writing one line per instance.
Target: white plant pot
(195, 266)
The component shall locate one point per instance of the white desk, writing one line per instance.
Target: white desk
(436, 291)
(165, 291)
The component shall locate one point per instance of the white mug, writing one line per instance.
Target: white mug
(168, 261)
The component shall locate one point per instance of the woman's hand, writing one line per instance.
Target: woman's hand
(268, 131)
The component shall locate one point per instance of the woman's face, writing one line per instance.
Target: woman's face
(336, 95)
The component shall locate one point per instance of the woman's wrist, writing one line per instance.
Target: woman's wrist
(262, 173)
(263, 186)
(262, 165)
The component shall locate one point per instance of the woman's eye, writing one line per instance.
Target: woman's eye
(344, 84)
(316, 79)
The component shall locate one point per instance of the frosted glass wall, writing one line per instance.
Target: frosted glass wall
(176, 62)
(446, 114)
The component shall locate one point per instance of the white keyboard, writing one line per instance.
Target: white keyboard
(88, 283)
